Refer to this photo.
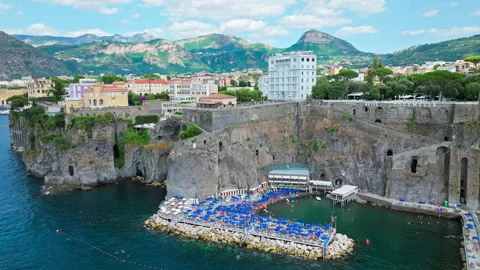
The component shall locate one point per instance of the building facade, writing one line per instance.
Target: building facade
(188, 90)
(75, 90)
(291, 76)
(142, 87)
(100, 96)
(38, 87)
(217, 100)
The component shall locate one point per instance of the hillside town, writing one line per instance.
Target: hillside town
(290, 76)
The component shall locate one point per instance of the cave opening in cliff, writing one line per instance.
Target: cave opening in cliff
(139, 172)
(116, 152)
(389, 152)
(445, 138)
(463, 180)
(256, 152)
(413, 165)
(273, 156)
(70, 170)
(204, 142)
(220, 146)
(339, 182)
(378, 121)
(322, 176)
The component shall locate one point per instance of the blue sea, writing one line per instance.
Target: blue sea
(103, 229)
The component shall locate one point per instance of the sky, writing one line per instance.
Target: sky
(378, 26)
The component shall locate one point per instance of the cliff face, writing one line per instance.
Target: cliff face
(85, 158)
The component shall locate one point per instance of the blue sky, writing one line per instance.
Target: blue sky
(379, 26)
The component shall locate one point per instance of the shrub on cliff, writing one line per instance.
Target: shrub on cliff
(146, 119)
(87, 123)
(140, 137)
(190, 132)
(60, 142)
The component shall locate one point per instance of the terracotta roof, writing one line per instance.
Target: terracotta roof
(150, 82)
(118, 83)
(218, 96)
(107, 88)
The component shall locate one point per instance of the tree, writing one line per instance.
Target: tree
(376, 63)
(17, 102)
(58, 89)
(110, 78)
(443, 82)
(150, 78)
(347, 74)
(473, 59)
(77, 78)
(134, 99)
(233, 83)
(472, 91)
(242, 84)
(327, 90)
(381, 73)
(150, 97)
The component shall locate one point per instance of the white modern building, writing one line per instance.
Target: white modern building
(188, 90)
(75, 90)
(291, 76)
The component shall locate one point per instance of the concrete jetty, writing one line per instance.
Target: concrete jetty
(235, 221)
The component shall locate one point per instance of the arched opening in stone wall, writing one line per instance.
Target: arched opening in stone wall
(365, 109)
(256, 152)
(70, 170)
(463, 180)
(389, 152)
(273, 157)
(445, 138)
(354, 111)
(414, 164)
(116, 153)
(443, 164)
(204, 142)
(220, 146)
(339, 182)
(322, 176)
(378, 121)
(94, 102)
(101, 102)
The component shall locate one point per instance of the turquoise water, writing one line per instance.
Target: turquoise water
(102, 229)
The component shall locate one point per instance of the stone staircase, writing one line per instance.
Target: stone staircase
(419, 151)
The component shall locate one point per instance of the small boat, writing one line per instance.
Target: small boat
(318, 198)
(4, 112)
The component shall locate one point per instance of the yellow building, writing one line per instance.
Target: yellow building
(100, 96)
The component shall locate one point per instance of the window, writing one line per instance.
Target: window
(308, 59)
(303, 59)
(302, 80)
(313, 59)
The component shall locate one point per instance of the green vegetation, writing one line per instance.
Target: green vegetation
(110, 78)
(179, 113)
(331, 129)
(347, 118)
(139, 137)
(146, 119)
(412, 121)
(245, 95)
(190, 132)
(17, 102)
(312, 147)
(87, 123)
(60, 142)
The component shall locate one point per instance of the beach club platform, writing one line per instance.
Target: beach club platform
(344, 195)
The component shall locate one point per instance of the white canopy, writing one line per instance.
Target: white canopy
(345, 190)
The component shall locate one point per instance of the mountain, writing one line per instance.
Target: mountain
(158, 55)
(87, 38)
(141, 53)
(226, 53)
(330, 49)
(19, 59)
(449, 50)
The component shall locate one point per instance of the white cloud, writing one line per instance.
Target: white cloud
(152, 3)
(95, 31)
(106, 7)
(430, 13)
(447, 32)
(38, 29)
(125, 21)
(363, 7)
(221, 9)
(5, 6)
(19, 13)
(476, 12)
(453, 4)
(135, 15)
(242, 25)
(310, 21)
(156, 32)
(356, 30)
(191, 29)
